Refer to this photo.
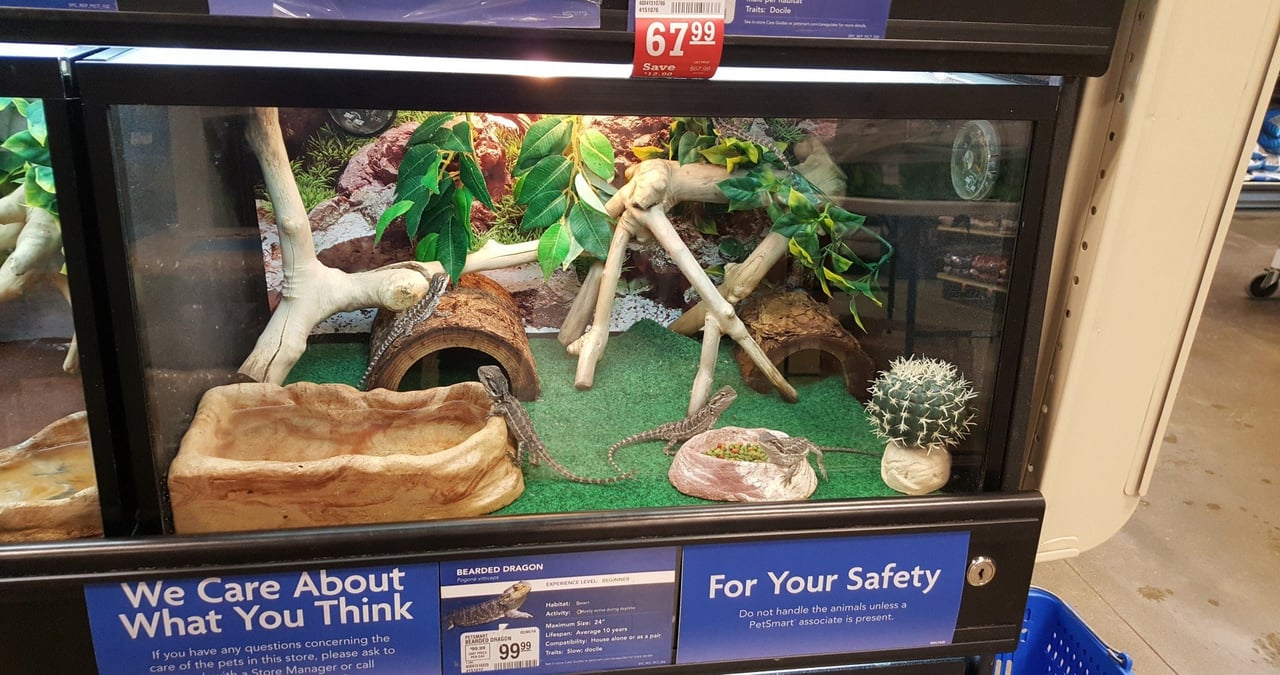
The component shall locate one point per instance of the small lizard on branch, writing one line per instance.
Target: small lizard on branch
(681, 430)
(791, 450)
(405, 321)
(528, 445)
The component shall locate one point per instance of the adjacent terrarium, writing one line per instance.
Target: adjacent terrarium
(532, 292)
(48, 489)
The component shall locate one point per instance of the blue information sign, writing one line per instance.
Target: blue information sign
(819, 596)
(810, 18)
(108, 5)
(559, 613)
(795, 18)
(372, 620)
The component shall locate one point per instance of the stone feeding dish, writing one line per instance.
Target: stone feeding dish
(698, 474)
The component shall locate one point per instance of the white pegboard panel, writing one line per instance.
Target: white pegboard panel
(1155, 171)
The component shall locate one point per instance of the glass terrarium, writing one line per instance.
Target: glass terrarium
(48, 486)
(371, 289)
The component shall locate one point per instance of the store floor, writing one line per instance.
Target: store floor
(1191, 584)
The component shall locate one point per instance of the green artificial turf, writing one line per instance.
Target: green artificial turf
(643, 381)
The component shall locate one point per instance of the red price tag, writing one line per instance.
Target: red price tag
(678, 38)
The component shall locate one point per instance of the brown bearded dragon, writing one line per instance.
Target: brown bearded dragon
(701, 420)
(528, 446)
(791, 450)
(406, 320)
(505, 606)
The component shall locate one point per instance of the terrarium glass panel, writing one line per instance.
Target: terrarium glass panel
(355, 315)
(48, 489)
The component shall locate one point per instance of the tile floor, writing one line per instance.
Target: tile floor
(1191, 585)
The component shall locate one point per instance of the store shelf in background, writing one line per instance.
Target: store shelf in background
(1256, 195)
(999, 234)
(973, 282)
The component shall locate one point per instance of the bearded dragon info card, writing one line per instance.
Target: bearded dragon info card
(559, 613)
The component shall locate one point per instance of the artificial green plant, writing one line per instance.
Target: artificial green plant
(434, 199)
(817, 230)
(24, 158)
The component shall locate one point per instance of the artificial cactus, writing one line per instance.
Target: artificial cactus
(921, 403)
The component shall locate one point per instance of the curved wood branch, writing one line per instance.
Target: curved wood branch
(312, 292)
(654, 186)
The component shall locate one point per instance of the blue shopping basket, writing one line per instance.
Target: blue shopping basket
(1056, 641)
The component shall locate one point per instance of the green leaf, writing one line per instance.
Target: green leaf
(735, 250)
(744, 192)
(605, 187)
(36, 196)
(438, 210)
(644, 152)
(550, 175)
(801, 206)
(591, 229)
(547, 208)
(597, 153)
(828, 275)
(804, 245)
(459, 140)
(10, 162)
(548, 136)
(517, 189)
(751, 150)
(426, 249)
(840, 263)
(462, 199)
(700, 220)
(686, 147)
(787, 225)
(20, 104)
(553, 248)
(798, 251)
(718, 154)
(587, 194)
(842, 222)
(394, 211)
(418, 182)
(25, 146)
(454, 234)
(43, 176)
(575, 250)
(35, 122)
(421, 166)
(733, 162)
(426, 132)
(4, 102)
(473, 178)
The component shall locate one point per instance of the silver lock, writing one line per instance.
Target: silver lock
(981, 571)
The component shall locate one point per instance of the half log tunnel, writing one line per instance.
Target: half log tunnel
(479, 314)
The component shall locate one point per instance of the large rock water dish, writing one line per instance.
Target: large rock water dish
(260, 456)
(48, 489)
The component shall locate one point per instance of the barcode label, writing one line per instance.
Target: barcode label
(679, 8)
(511, 665)
(697, 7)
(503, 649)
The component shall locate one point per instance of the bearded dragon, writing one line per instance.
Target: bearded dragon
(505, 606)
(405, 321)
(699, 421)
(528, 446)
(791, 450)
